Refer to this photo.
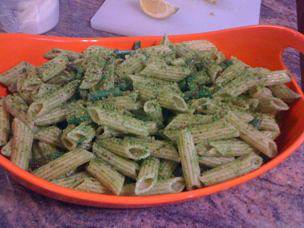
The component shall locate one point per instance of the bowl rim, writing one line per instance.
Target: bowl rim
(93, 199)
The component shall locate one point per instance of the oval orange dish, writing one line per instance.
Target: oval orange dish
(256, 45)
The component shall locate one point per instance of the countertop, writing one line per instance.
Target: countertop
(275, 199)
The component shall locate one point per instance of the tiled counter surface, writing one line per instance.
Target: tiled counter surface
(275, 199)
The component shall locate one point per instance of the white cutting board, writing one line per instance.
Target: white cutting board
(125, 17)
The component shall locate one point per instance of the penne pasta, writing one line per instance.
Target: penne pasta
(17, 107)
(284, 93)
(217, 130)
(165, 72)
(214, 161)
(9, 78)
(74, 136)
(71, 181)
(90, 184)
(253, 137)
(128, 147)
(6, 150)
(189, 159)
(63, 164)
(231, 147)
(271, 105)
(236, 168)
(55, 116)
(53, 100)
(276, 78)
(49, 135)
(131, 65)
(124, 166)
(168, 186)
(106, 175)
(53, 67)
(231, 72)
(122, 123)
(189, 120)
(166, 169)
(4, 124)
(154, 111)
(147, 176)
(21, 144)
(53, 53)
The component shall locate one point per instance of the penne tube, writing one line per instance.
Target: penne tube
(126, 102)
(71, 181)
(6, 150)
(62, 78)
(49, 135)
(202, 148)
(231, 147)
(271, 105)
(217, 130)
(128, 147)
(189, 120)
(17, 107)
(245, 116)
(10, 77)
(44, 90)
(147, 176)
(21, 144)
(271, 134)
(55, 116)
(53, 67)
(163, 71)
(189, 159)
(77, 113)
(284, 93)
(253, 137)
(28, 86)
(96, 51)
(74, 136)
(268, 123)
(4, 124)
(106, 175)
(212, 162)
(90, 184)
(55, 52)
(149, 88)
(240, 84)
(140, 148)
(172, 101)
(236, 168)
(93, 74)
(168, 186)
(260, 92)
(47, 150)
(166, 169)
(276, 78)
(120, 122)
(131, 65)
(124, 166)
(53, 100)
(163, 149)
(63, 164)
(231, 72)
(154, 111)
(161, 51)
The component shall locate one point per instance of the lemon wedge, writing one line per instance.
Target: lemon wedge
(158, 9)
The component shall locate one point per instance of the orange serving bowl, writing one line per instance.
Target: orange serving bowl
(255, 45)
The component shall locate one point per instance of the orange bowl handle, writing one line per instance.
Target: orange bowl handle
(293, 39)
